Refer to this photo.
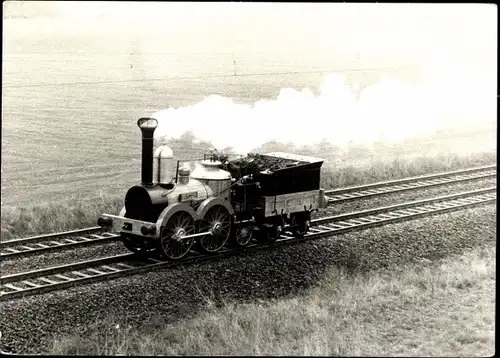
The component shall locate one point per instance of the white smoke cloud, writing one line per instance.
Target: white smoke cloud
(388, 110)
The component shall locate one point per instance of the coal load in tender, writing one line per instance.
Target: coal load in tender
(254, 164)
(277, 176)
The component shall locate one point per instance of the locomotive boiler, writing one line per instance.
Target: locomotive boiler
(216, 203)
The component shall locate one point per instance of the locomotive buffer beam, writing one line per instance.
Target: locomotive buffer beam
(137, 227)
(130, 226)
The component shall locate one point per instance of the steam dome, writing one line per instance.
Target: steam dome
(164, 151)
(163, 164)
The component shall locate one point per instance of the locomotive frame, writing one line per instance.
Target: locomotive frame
(210, 207)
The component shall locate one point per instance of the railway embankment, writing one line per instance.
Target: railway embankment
(420, 309)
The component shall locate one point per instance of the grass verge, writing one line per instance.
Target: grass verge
(341, 175)
(78, 212)
(44, 218)
(420, 309)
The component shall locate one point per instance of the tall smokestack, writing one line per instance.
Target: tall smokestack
(147, 126)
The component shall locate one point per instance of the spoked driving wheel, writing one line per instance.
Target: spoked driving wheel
(218, 221)
(243, 234)
(172, 242)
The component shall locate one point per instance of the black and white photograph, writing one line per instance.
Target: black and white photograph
(248, 178)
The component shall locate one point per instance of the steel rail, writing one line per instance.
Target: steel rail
(50, 279)
(407, 205)
(412, 183)
(62, 240)
(48, 236)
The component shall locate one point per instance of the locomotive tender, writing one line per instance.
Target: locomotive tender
(218, 202)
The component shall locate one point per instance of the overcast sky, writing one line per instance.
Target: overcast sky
(442, 39)
(397, 29)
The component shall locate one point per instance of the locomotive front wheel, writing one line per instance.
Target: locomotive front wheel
(137, 245)
(218, 221)
(171, 240)
(243, 234)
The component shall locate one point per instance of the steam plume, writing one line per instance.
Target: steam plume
(389, 110)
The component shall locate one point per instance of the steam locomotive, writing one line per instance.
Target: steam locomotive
(219, 202)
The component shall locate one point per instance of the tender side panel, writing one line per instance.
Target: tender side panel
(290, 180)
(291, 203)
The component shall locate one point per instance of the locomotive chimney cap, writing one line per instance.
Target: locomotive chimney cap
(147, 123)
(147, 126)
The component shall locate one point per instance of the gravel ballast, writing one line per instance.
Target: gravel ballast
(151, 300)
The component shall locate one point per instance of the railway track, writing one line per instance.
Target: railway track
(70, 239)
(56, 241)
(413, 183)
(64, 276)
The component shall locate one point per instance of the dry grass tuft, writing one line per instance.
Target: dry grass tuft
(76, 212)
